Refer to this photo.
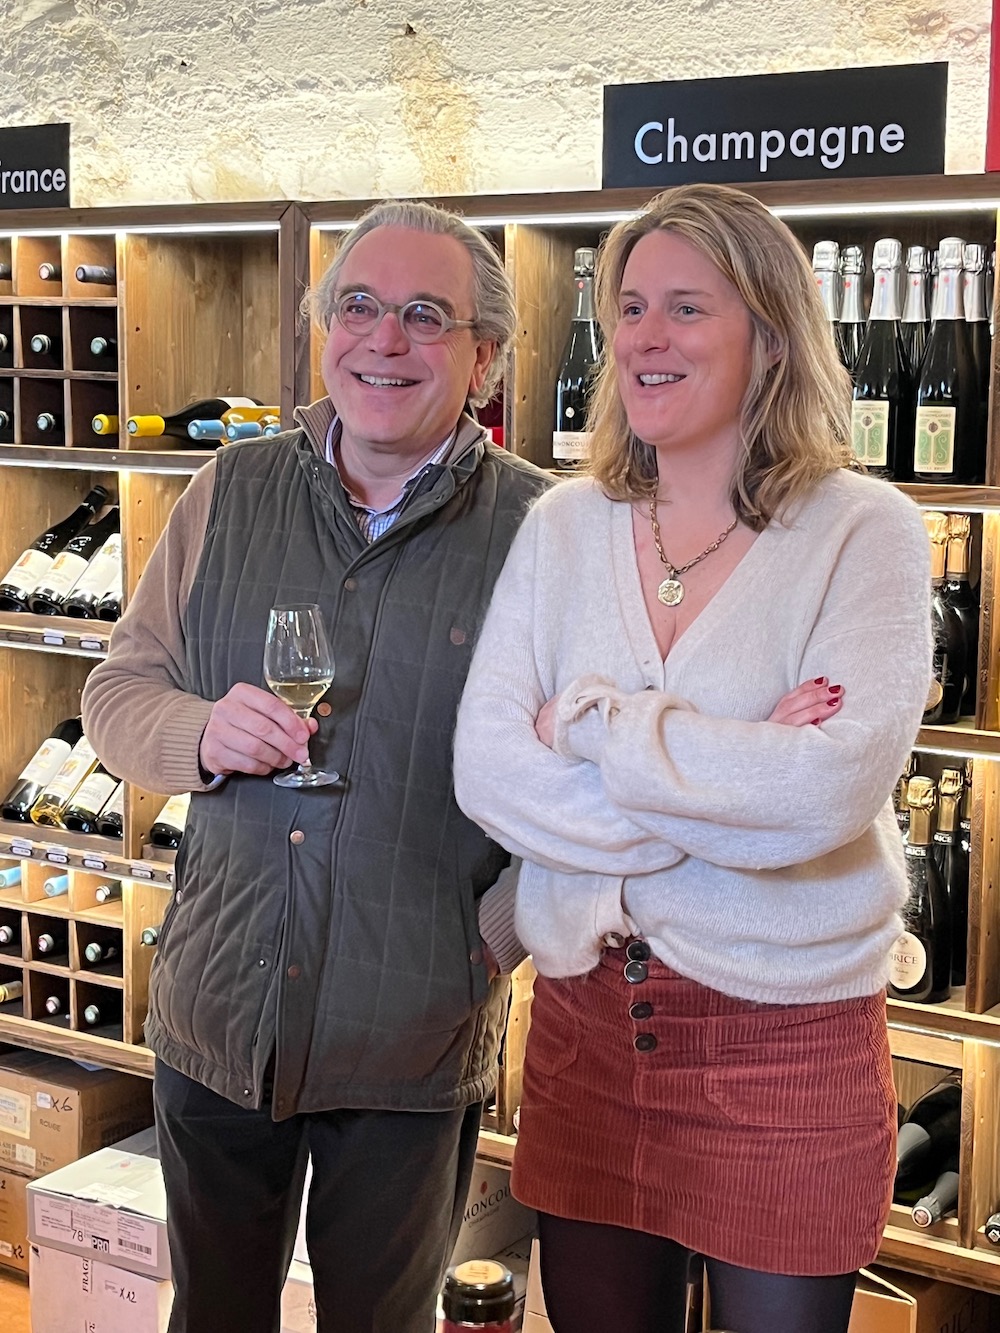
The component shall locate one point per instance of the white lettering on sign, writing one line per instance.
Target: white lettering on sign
(655, 144)
(30, 181)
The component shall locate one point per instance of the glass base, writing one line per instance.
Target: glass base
(306, 777)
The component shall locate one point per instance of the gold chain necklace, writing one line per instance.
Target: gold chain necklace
(671, 590)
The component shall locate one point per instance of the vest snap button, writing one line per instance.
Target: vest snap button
(294, 972)
(296, 837)
(350, 584)
(324, 710)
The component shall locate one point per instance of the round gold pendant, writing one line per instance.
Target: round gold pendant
(671, 592)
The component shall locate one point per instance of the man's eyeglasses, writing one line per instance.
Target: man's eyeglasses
(422, 321)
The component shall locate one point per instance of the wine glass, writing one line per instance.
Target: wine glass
(298, 668)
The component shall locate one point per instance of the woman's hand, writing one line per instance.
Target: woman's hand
(813, 702)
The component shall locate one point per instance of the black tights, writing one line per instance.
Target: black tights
(599, 1278)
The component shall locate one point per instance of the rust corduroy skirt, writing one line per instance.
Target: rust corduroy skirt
(761, 1135)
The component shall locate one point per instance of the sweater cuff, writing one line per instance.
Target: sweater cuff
(582, 713)
(496, 920)
(179, 766)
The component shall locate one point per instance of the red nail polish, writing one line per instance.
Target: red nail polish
(820, 680)
(832, 703)
(815, 722)
(836, 689)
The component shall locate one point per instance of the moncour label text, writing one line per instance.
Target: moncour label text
(656, 143)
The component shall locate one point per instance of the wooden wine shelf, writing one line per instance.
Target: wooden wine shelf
(55, 634)
(85, 852)
(79, 459)
(963, 739)
(950, 498)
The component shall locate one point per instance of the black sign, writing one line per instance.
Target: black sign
(882, 121)
(34, 166)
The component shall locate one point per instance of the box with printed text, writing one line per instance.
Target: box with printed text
(13, 1221)
(70, 1292)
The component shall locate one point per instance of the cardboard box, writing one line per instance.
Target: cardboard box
(889, 1302)
(493, 1218)
(110, 1206)
(69, 1292)
(53, 1112)
(13, 1221)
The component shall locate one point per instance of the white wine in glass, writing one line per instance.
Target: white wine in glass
(299, 669)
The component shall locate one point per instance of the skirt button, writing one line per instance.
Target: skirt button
(639, 951)
(645, 1041)
(636, 972)
(641, 1011)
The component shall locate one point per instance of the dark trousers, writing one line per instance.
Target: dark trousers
(385, 1205)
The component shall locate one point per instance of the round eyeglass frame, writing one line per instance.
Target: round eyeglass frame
(343, 305)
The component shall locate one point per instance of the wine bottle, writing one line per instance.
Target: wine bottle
(150, 936)
(10, 991)
(478, 1294)
(104, 423)
(111, 819)
(570, 437)
(974, 300)
(96, 952)
(942, 1199)
(951, 653)
(993, 1229)
(103, 347)
(176, 423)
(80, 815)
(826, 271)
(10, 878)
(851, 323)
(218, 428)
(103, 1014)
(101, 273)
(45, 763)
(920, 961)
(42, 344)
(54, 1005)
(928, 1137)
(913, 321)
(53, 940)
(6, 273)
(168, 829)
(4, 342)
(47, 811)
(50, 272)
(49, 423)
(102, 574)
(47, 597)
(948, 442)
(108, 893)
(55, 886)
(899, 796)
(952, 861)
(957, 592)
(881, 423)
(9, 935)
(6, 421)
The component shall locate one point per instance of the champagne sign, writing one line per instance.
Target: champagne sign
(881, 121)
(34, 166)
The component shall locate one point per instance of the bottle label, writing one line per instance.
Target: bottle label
(870, 431)
(116, 806)
(100, 574)
(94, 792)
(175, 811)
(571, 445)
(935, 439)
(72, 771)
(65, 571)
(29, 571)
(907, 962)
(46, 761)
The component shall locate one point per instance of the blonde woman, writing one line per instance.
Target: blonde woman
(700, 675)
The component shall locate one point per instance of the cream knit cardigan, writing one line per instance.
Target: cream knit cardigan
(761, 860)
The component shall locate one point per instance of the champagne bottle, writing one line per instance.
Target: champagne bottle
(150, 936)
(47, 597)
(101, 273)
(928, 1137)
(952, 861)
(95, 952)
(948, 443)
(851, 323)
(55, 886)
(881, 423)
(899, 796)
(102, 574)
(47, 811)
(957, 592)
(10, 879)
(111, 819)
(50, 272)
(168, 828)
(942, 1199)
(950, 646)
(52, 940)
(920, 961)
(10, 935)
(176, 424)
(104, 423)
(10, 991)
(913, 321)
(108, 893)
(826, 271)
(570, 437)
(80, 815)
(42, 768)
(974, 300)
(104, 347)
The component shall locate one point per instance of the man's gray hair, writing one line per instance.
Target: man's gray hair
(495, 316)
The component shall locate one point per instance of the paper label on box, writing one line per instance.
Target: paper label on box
(43, 1100)
(100, 1229)
(6, 1249)
(137, 1239)
(15, 1112)
(25, 1156)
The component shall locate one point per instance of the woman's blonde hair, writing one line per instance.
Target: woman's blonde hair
(796, 414)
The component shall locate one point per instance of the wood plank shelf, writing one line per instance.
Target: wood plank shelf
(55, 634)
(82, 852)
(79, 458)
(84, 376)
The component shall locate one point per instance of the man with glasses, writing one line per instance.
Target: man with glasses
(326, 983)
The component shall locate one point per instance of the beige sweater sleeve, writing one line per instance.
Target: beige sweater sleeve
(138, 713)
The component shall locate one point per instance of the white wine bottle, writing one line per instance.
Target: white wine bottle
(10, 935)
(10, 991)
(108, 893)
(570, 437)
(50, 272)
(82, 811)
(10, 878)
(103, 347)
(95, 952)
(54, 1004)
(104, 423)
(47, 811)
(70, 563)
(150, 936)
(168, 828)
(101, 273)
(111, 819)
(55, 886)
(45, 763)
(102, 574)
(942, 1199)
(33, 564)
(53, 939)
